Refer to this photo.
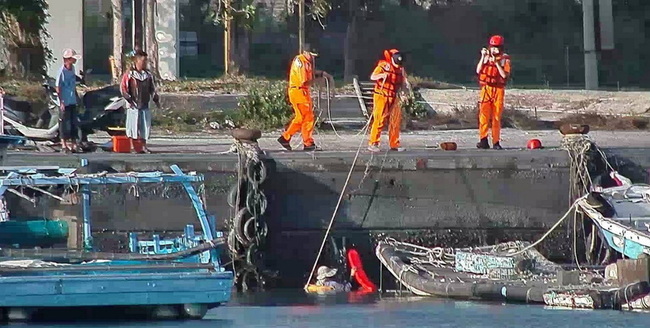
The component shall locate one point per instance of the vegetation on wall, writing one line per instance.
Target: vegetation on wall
(22, 29)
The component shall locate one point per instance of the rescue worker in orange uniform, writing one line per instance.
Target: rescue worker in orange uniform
(301, 76)
(493, 70)
(390, 77)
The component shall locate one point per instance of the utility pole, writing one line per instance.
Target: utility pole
(566, 64)
(151, 44)
(227, 32)
(591, 59)
(118, 41)
(301, 25)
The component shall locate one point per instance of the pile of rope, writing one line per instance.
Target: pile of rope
(583, 154)
(247, 228)
(580, 149)
(437, 257)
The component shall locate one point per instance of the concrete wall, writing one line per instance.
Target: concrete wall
(65, 26)
(452, 199)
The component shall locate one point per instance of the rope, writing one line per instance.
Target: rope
(557, 224)
(338, 204)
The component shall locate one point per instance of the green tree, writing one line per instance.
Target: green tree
(22, 27)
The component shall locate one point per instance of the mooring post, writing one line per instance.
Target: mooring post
(85, 212)
(133, 242)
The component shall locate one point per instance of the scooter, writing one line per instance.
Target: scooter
(95, 117)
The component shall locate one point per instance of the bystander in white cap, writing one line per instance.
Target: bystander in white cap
(70, 53)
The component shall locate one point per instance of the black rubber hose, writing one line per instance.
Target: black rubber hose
(49, 254)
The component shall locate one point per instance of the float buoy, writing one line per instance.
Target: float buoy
(315, 289)
(570, 128)
(354, 260)
(246, 134)
(534, 144)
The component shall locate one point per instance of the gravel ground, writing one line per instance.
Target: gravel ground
(558, 102)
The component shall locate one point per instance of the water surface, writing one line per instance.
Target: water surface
(295, 309)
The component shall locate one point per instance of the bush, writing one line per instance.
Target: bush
(265, 107)
(414, 106)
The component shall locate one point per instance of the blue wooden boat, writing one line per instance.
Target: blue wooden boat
(622, 215)
(179, 278)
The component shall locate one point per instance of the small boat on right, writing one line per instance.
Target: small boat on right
(516, 272)
(622, 215)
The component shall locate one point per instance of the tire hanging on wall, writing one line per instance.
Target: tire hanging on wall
(256, 171)
(238, 223)
(251, 231)
(232, 194)
(254, 204)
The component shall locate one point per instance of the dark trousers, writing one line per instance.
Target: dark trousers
(68, 123)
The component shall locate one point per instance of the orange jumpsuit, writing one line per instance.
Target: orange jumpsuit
(491, 98)
(386, 106)
(299, 95)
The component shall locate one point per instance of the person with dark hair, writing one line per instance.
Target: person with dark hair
(138, 88)
(66, 89)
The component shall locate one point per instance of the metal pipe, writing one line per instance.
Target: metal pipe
(46, 193)
(591, 60)
(44, 254)
(166, 266)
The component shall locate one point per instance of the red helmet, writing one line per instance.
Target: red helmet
(496, 41)
(534, 144)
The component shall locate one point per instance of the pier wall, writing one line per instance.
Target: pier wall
(435, 198)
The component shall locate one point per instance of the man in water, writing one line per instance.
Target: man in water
(325, 277)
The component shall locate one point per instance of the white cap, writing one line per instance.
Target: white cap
(70, 53)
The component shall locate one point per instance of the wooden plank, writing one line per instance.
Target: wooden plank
(631, 271)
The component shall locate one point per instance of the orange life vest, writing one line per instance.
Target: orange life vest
(489, 74)
(300, 72)
(393, 81)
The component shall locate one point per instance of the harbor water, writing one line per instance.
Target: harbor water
(295, 309)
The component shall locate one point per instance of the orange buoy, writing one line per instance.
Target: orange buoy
(354, 260)
(448, 146)
(534, 144)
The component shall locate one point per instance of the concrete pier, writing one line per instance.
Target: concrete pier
(429, 196)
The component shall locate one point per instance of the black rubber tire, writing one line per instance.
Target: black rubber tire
(246, 134)
(254, 257)
(238, 223)
(250, 200)
(251, 170)
(232, 194)
(233, 243)
(193, 311)
(250, 230)
(249, 281)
